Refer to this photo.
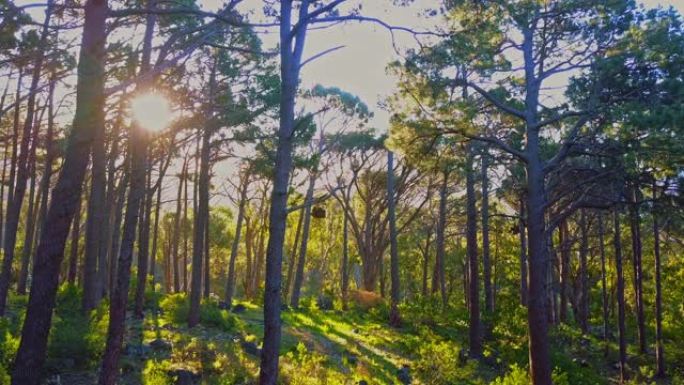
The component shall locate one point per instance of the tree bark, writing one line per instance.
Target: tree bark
(635, 228)
(604, 292)
(584, 274)
(290, 65)
(143, 244)
(522, 230)
(31, 213)
(65, 198)
(486, 264)
(293, 260)
(565, 247)
(301, 261)
(620, 297)
(659, 348)
(177, 227)
(345, 260)
(394, 316)
(15, 204)
(439, 242)
(474, 334)
(119, 296)
(202, 213)
(235, 247)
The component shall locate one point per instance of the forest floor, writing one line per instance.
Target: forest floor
(318, 347)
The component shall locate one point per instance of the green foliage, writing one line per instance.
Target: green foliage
(76, 339)
(438, 364)
(176, 309)
(156, 373)
(313, 365)
(515, 376)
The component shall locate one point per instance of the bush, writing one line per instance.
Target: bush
(515, 376)
(76, 340)
(305, 368)
(212, 315)
(439, 363)
(176, 308)
(156, 373)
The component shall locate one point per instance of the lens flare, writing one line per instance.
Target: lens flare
(152, 111)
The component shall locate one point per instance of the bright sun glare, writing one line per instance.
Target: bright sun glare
(152, 111)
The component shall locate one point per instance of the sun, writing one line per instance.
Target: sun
(152, 111)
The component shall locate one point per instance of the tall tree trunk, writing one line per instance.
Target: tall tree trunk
(74, 252)
(293, 253)
(235, 247)
(155, 236)
(65, 198)
(138, 142)
(394, 316)
(95, 222)
(207, 257)
(290, 65)
(659, 349)
(522, 230)
(635, 228)
(202, 213)
(474, 334)
(565, 247)
(583, 307)
(345, 260)
(143, 245)
(115, 245)
(186, 230)
(15, 144)
(486, 264)
(177, 227)
(301, 261)
(426, 262)
(439, 242)
(119, 296)
(604, 292)
(31, 213)
(15, 204)
(620, 297)
(49, 160)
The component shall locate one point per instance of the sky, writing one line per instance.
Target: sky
(360, 67)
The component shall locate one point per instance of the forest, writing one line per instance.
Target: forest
(341, 192)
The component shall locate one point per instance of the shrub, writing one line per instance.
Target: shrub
(515, 376)
(176, 308)
(156, 373)
(438, 364)
(212, 315)
(76, 340)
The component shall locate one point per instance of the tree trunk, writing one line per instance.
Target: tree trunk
(620, 297)
(301, 261)
(604, 292)
(583, 307)
(15, 144)
(439, 242)
(565, 247)
(235, 247)
(155, 236)
(293, 260)
(115, 245)
(474, 334)
(177, 227)
(486, 265)
(426, 262)
(31, 213)
(635, 227)
(394, 316)
(207, 256)
(143, 244)
(73, 252)
(14, 205)
(659, 349)
(290, 55)
(522, 229)
(185, 229)
(345, 260)
(65, 198)
(119, 297)
(95, 222)
(202, 213)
